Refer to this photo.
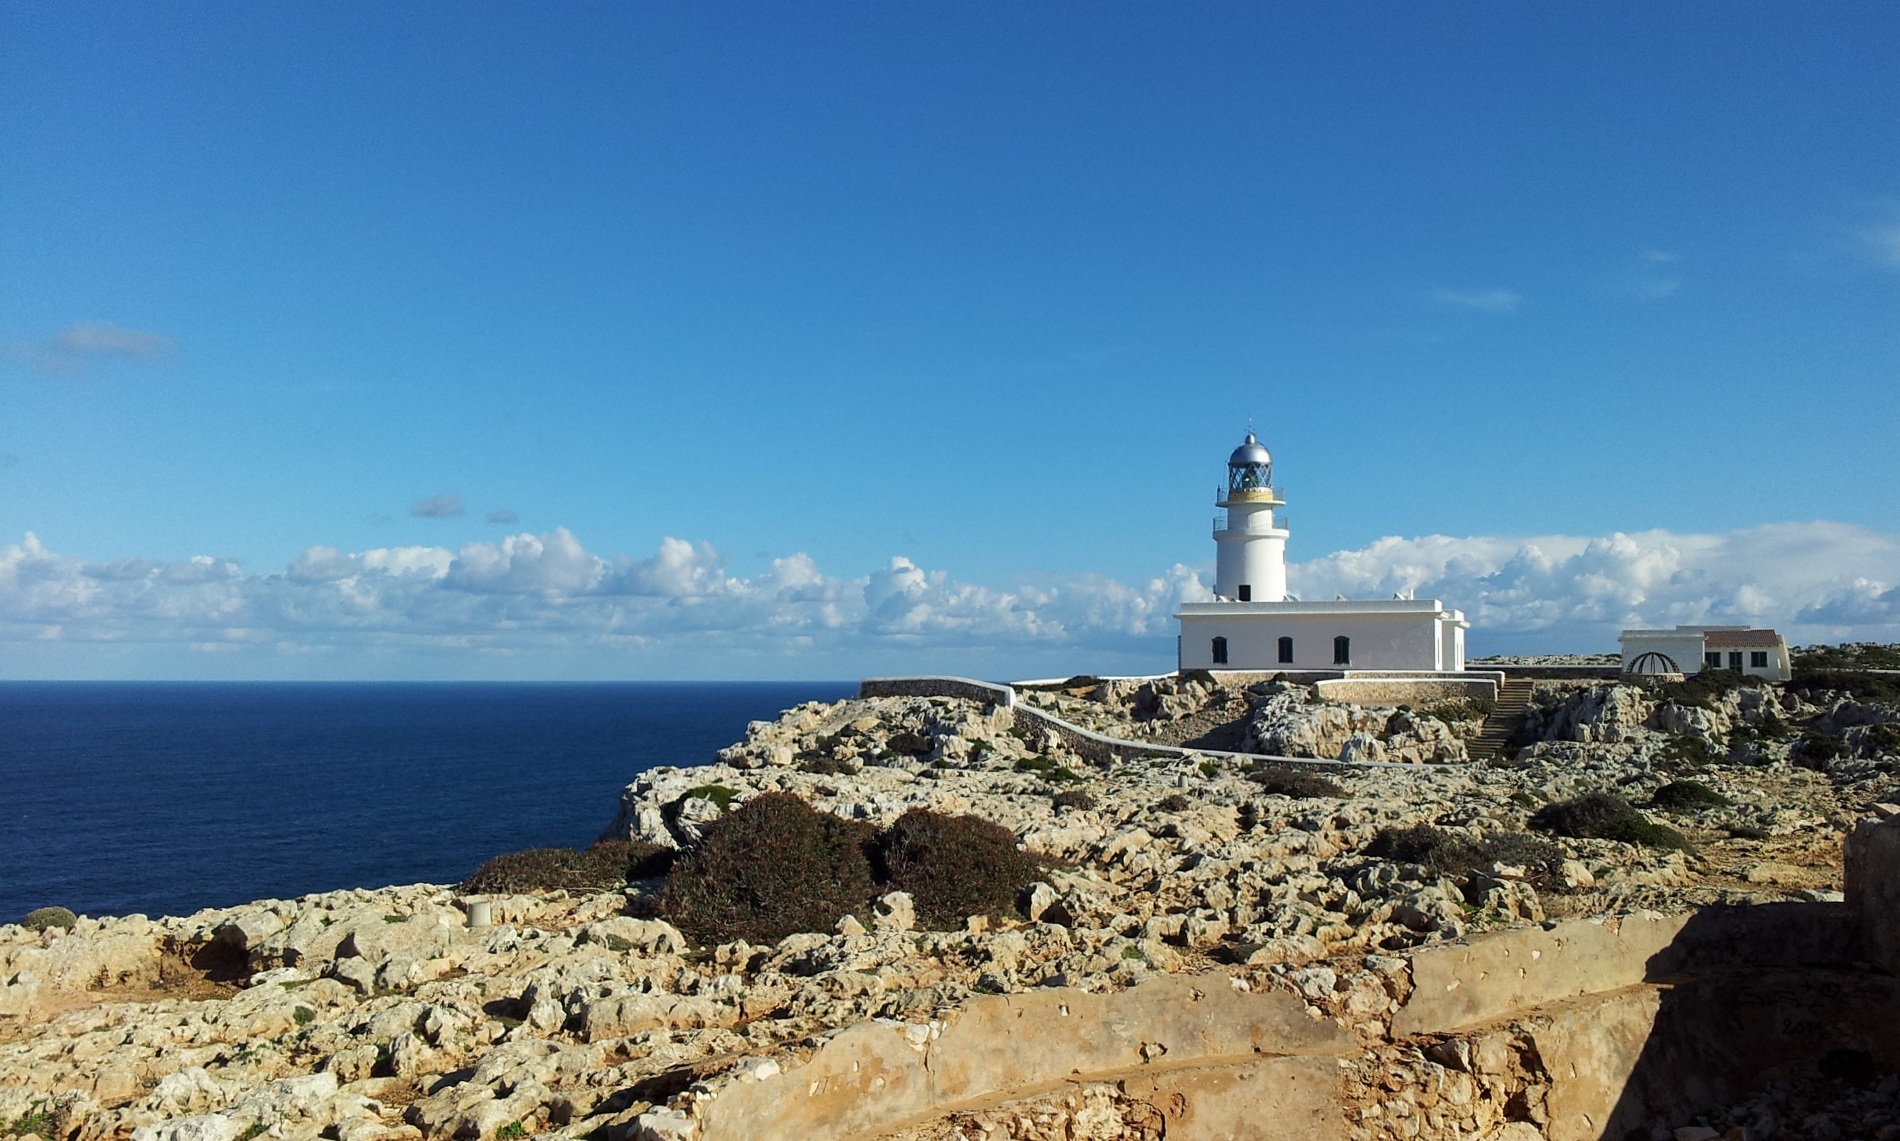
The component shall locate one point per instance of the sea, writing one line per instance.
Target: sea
(165, 798)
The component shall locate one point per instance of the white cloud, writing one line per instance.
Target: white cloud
(1813, 581)
(504, 515)
(1485, 300)
(1881, 243)
(547, 596)
(447, 505)
(71, 349)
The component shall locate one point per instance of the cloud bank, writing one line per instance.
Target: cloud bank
(77, 345)
(541, 597)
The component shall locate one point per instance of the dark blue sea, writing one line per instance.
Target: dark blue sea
(162, 798)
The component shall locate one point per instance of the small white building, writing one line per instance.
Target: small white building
(1691, 649)
(1252, 625)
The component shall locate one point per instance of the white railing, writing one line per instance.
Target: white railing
(1279, 524)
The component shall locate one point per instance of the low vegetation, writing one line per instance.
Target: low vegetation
(1704, 689)
(41, 918)
(776, 866)
(600, 867)
(1687, 796)
(1073, 798)
(1298, 782)
(1447, 853)
(953, 866)
(1606, 816)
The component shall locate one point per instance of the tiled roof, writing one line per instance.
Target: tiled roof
(1741, 638)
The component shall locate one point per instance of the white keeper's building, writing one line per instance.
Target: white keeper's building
(1253, 625)
(1691, 649)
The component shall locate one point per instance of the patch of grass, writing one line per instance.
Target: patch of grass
(1038, 764)
(1605, 816)
(38, 1120)
(1208, 768)
(719, 794)
(772, 867)
(1523, 799)
(1063, 775)
(303, 1015)
(41, 918)
(1133, 952)
(394, 918)
(953, 866)
(252, 1131)
(1298, 782)
(513, 1131)
(604, 865)
(1687, 796)
(1073, 798)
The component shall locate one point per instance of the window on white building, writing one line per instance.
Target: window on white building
(1220, 651)
(1713, 659)
(1246, 592)
(1758, 659)
(1735, 659)
(1286, 650)
(1342, 651)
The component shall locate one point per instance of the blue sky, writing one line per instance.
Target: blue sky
(717, 310)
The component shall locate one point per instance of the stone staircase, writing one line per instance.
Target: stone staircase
(1506, 717)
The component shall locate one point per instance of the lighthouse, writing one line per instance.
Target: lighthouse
(1250, 564)
(1251, 624)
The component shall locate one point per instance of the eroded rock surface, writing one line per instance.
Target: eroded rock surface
(378, 1015)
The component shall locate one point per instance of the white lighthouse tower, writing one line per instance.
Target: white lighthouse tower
(1251, 625)
(1250, 564)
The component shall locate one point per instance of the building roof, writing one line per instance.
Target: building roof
(1249, 452)
(1741, 638)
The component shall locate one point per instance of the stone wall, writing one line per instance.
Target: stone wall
(1407, 691)
(984, 691)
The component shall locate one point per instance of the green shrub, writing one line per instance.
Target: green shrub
(1704, 689)
(1851, 656)
(1817, 750)
(1462, 709)
(953, 866)
(1860, 686)
(1448, 853)
(1687, 796)
(1208, 768)
(1036, 764)
(1692, 752)
(1063, 775)
(604, 865)
(1605, 816)
(772, 867)
(910, 744)
(827, 765)
(40, 918)
(1298, 782)
(1073, 798)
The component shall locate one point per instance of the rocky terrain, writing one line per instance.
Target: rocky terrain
(375, 1015)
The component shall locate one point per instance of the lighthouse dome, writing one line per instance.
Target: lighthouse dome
(1250, 453)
